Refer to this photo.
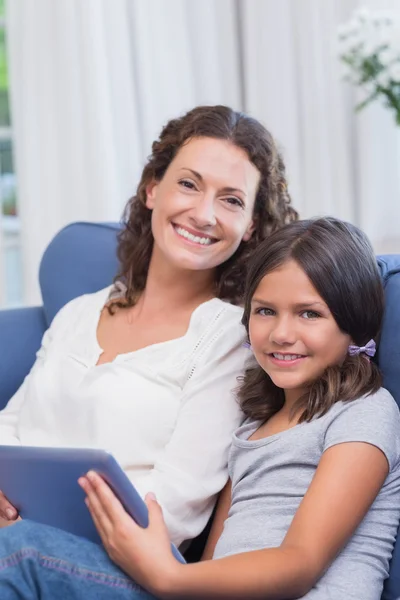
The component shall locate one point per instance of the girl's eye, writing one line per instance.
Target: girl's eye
(310, 314)
(235, 201)
(187, 184)
(264, 312)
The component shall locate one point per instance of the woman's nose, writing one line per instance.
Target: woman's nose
(203, 212)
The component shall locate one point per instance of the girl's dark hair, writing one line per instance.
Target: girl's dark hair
(338, 259)
(272, 206)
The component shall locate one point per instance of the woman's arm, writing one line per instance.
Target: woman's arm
(9, 436)
(192, 468)
(10, 415)
(346, 483)
(221, 514)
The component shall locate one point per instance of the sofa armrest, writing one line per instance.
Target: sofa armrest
(21, 332)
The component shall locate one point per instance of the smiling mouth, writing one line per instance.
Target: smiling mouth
(287, 359)
(203, 240)
(287, 356)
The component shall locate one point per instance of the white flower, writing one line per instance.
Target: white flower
(369, 48)
(384, 17)
(393, 39)
(371, 39)
(362, 14)
(366, 91)
(384, 38)
(353, 27)
(343, 31)
(369, 88)
(394, 72)
(372, 46)
(388, 55)
(347, 73)
(350, 45)
(383, 79)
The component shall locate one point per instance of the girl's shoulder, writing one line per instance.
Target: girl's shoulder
(379, 404)
(374, 419)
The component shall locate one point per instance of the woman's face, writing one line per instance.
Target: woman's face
(203, 206)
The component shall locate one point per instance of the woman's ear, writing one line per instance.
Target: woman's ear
(151, 193)
(249, 231)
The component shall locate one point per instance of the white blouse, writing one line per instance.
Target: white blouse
(166, 411)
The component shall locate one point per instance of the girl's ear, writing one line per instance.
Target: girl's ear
(351, 343)
(249, 231)
(151, 193)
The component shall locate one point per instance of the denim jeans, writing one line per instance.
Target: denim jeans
(37, 561)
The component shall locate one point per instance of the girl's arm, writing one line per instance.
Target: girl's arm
(221, 514)
(346, 483)
(347, 480)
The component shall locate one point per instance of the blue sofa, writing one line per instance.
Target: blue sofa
(82, 259)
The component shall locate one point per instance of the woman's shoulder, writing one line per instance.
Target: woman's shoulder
(216, 327)
(222, 311)
(81, 306)
(218, 317)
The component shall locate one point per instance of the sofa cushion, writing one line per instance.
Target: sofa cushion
(80, 259)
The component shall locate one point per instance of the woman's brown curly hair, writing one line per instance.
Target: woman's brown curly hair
(272, 205)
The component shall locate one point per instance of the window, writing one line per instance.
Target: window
(10, 267)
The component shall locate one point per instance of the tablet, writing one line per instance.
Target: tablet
(42, 484)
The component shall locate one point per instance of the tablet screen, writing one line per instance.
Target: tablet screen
(42, 484)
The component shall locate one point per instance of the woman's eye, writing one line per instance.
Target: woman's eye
(187, 184)
(264, 312)
(310, 314)
(235, 201)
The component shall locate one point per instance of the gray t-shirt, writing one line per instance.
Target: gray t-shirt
(271, 476)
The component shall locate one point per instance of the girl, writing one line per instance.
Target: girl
(313, 503)
(145, 367)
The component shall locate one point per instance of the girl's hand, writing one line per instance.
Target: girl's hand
(144, 554)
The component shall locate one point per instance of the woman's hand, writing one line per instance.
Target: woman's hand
(144, 554)
(7, 511)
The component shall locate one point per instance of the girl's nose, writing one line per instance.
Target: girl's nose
(283, 332)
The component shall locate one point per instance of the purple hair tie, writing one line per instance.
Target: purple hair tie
(369, 349)
(246, 345)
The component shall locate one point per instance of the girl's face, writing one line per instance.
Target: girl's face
(203, 206)
(292, 331)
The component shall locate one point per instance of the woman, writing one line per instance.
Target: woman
(144, 368)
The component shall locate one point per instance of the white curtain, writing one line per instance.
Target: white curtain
(91, 84)
(293, 84)
(93, 81)
(377, 165)
(339, 162)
